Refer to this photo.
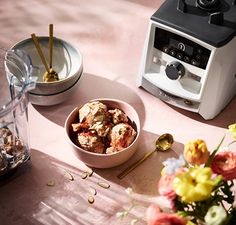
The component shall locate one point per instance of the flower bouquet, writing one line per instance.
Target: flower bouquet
(199, 187)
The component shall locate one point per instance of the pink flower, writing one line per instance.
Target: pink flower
(165, 186)
(196, 152)
(224, 163)
(156, 217)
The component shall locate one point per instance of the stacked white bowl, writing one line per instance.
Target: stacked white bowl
(67, 63)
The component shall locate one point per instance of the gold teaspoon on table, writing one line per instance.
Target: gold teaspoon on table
(163, 143)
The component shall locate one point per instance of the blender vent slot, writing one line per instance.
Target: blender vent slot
(216, 18)
(182, 6)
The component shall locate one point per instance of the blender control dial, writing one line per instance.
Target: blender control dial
(175, 70)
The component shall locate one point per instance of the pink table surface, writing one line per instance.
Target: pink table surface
(110, 34)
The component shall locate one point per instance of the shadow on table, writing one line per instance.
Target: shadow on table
(37, 193)
(43, 192)
(92, 87)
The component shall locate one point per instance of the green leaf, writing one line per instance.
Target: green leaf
(209, 161)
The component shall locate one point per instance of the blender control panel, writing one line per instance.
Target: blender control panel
(181, 48)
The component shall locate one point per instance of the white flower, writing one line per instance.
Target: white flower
(216, 215)
(171, 165)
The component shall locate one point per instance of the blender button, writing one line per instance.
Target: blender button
(186, 59)
(179, 56)
(166, 49)
(194, 62)
(172, 52)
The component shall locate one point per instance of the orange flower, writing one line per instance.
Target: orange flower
(196, 152)
(224, 164)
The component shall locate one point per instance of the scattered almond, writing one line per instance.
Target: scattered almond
(90, 172)
(93, 191)
(91, 199)
(50, 183)
(68, 175)
(84, 175)
(103, 185)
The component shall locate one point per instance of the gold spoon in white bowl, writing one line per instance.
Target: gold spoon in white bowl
(163, 143)
(40, 52)
(50, 75)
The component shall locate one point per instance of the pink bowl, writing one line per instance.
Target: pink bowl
(97, 160)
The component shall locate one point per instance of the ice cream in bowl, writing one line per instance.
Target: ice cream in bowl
(103, 132)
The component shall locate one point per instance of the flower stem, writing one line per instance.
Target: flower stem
(231, 143)
(209, 161)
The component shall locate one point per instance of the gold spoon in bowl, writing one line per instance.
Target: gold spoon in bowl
(163, 143)
(40, 52)
(50, 75)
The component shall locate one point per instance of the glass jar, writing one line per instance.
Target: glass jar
(15, 81)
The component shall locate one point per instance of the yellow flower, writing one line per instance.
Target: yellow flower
(195, 185)
(196, 152)
(190, 223)
(232, 129)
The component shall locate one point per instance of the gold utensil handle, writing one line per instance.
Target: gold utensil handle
(134, 165)
(36, 43)
(50, 44)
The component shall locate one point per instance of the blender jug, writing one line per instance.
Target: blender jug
(15, 80)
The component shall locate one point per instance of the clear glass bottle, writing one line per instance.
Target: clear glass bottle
(15, 81)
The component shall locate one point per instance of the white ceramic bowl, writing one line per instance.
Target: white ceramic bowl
(53, 99)
(67, 62)
(97, 160)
